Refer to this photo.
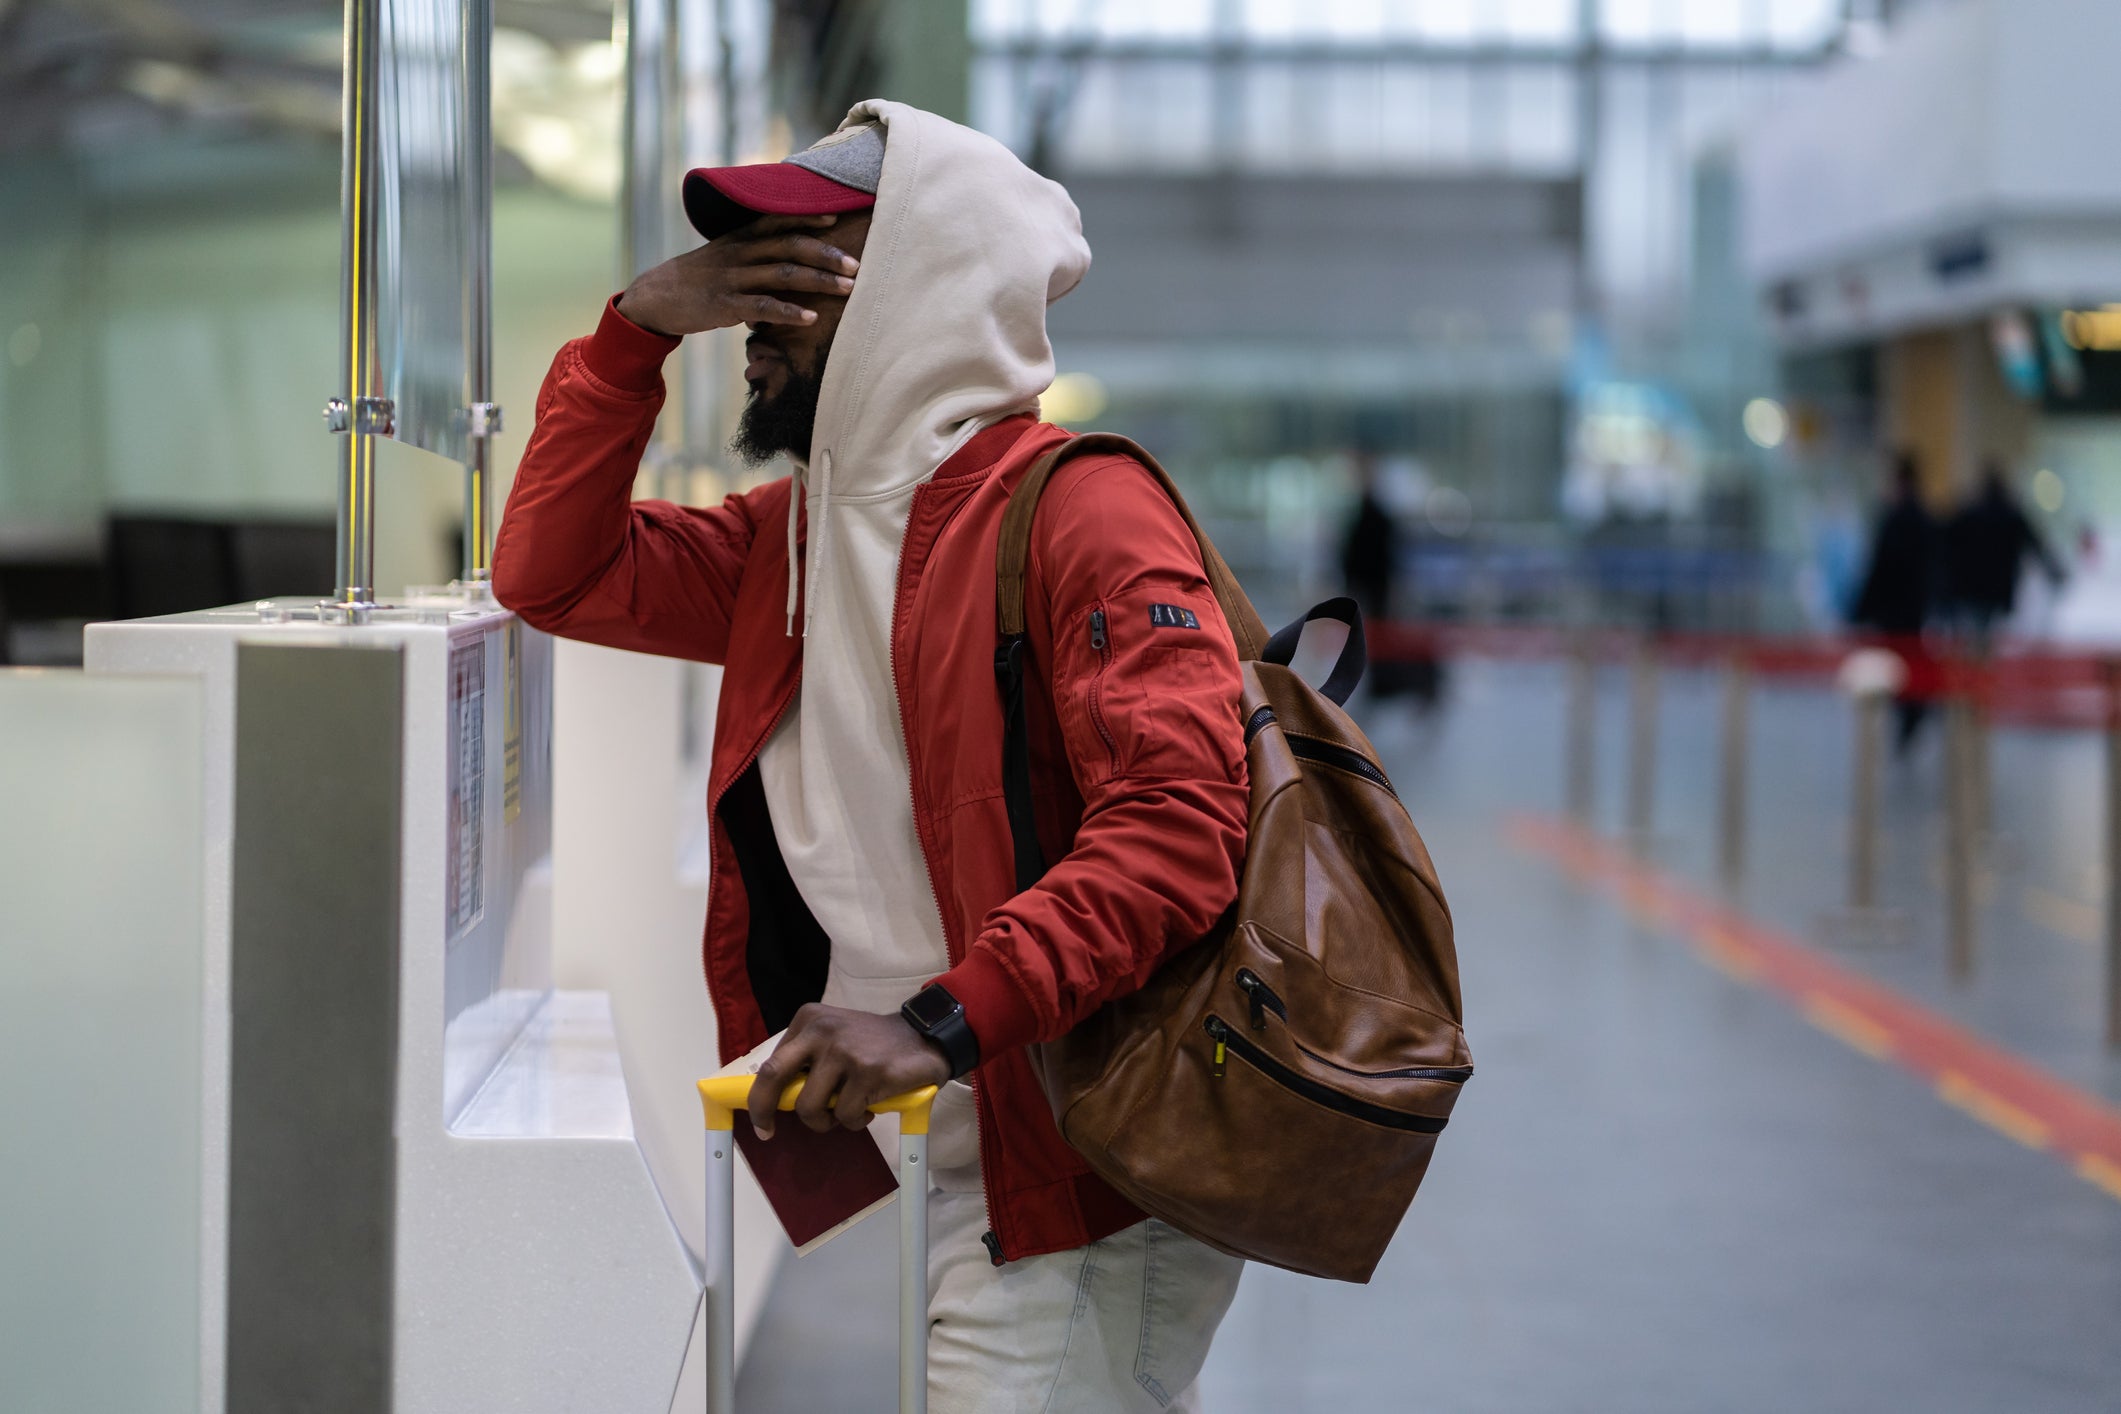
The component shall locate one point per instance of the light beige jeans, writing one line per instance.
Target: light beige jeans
(1123, 1324)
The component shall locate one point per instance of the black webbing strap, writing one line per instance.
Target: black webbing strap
(1012, 559)
(1016, 761)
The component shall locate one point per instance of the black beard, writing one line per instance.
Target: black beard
(780, 423)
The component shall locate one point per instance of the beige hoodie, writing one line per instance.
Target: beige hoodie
(944, 334)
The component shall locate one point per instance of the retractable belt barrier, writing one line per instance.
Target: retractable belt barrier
(721, 1096)
(2030, 684)
(2035, 685)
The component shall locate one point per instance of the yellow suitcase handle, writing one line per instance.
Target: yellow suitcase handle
(721, 1096)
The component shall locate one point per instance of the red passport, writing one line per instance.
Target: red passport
(819, 1184)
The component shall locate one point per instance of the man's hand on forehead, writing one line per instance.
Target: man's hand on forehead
(739, 278)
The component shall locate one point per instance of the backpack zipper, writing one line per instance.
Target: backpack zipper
(1228, 1041)
(1102, 642)
(1263, 1000)
(1310, 748)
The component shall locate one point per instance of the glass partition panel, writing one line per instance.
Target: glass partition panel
(424, 226)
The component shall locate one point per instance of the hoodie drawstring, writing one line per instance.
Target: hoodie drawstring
(819, 550)
(820, 542)
(795, 505)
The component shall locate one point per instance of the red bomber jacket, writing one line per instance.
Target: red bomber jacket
(1137, 752)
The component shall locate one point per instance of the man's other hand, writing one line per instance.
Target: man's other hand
(735, 280)
(853, 1059)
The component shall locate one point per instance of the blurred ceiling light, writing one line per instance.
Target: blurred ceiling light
(2098, 330)
(1766, 423)
(1073, 398)
(1449, 511)
(23, 345)
(556, 108)
(2047, 490)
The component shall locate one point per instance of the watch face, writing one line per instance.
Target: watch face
(931, 1007)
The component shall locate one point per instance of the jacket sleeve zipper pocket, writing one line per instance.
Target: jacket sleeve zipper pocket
(1101, 641)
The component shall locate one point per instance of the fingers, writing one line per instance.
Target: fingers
(850, 1107)
(814, 1106)
(764, 309)
(780, 1070)
(787, 275)
(800, 250)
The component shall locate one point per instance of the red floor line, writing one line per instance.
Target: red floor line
(2002, 1090)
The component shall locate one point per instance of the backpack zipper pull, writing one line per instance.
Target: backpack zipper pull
(1221, 1033)
(1255, 993)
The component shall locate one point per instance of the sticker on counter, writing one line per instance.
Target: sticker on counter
(467, 785)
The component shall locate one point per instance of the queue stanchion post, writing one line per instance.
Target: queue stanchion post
(1642, 745)
(1961, 825)
(1871, 678)
(1736, 772)
(1581, 744)
(2113, 854)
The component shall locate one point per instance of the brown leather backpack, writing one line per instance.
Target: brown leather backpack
(1277, 1088)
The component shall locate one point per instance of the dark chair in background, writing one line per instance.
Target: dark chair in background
(168, 565)
(282, 559)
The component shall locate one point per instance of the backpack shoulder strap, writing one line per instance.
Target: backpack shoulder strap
(1011, 563)
(1012, 556)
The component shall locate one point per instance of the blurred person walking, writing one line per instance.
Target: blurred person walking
(1371, 553)
(1987, 545)
(1901, 581)
(895, 279)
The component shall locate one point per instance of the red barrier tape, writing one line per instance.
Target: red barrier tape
(2030, 684)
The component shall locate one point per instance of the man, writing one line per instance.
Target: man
(1900, 583)
(1988, 543)
(895, 279)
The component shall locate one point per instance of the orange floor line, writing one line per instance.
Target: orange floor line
(2009, 1094)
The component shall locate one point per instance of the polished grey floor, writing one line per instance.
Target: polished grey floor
(1665, 1191)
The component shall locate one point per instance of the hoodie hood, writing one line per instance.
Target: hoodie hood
(943, 335)
(945, 330)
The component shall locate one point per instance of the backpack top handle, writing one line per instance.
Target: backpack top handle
(1013, 550)
(1354, 654)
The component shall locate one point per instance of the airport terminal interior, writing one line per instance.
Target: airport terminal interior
(1713, 405)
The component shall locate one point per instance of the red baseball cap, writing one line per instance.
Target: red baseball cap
(838, 173)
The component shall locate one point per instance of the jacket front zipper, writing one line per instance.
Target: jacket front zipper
(1229, 1040)
(1101, 641)
(952, 954)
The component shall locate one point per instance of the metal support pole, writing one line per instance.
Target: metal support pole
(478, 170)
(2113, 855)
(359, 415)
(1863, 814)
(1737, 753)
(1582, 733)
(720, 1296)
(1642, 744)
(913, 1273)
(1961, 804)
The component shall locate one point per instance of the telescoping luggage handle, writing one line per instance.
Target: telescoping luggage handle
(721, 1096)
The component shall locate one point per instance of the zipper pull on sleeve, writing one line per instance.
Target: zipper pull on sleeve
(1097, 629)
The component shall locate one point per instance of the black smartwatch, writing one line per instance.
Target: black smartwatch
(940, 1017)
